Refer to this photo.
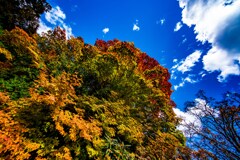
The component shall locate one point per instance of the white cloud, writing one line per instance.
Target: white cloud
(43, 27)
(220, 60)
(188, 79)
(179, 85)
(183, 66)
(68, 30)
(55, 15)
(162, 21)
(209, 17)
(186, 120)
(216, 22)
(202, 74)
(175, 60)
(135, 26)
(178, 27)
(105, 30)
(187, 64)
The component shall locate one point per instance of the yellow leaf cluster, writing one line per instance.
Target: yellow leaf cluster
(22, 45)
(64, 154)
(11, 139)
(78, 126)
(91, 152)
(4, 98)
(57, 91)
(6, 53)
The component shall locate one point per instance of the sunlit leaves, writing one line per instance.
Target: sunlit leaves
(108, 101)
(12, 142)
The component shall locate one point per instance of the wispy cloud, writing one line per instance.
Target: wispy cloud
(135, 26)
(189, 62)
(184, 40)
(68, 30)
(217, 23)
(43, 27)
(55, 17)
(202, 74)
(178, 27)
(186, 119)
(175, 60)
(74, 8)
(188, 79)
(161, 21)
(105, 30)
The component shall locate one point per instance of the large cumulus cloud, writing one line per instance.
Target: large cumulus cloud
(218, 23)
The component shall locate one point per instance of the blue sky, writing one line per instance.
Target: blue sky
(197, 40)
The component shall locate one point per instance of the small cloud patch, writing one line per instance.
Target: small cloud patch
(55, 15)
(135, 26)
(178, 26)
(161, 21)
(105, 30)
(188, 79)
(175, 60)
(43, 27)
(187, 64)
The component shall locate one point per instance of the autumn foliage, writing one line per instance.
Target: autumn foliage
(63, 99)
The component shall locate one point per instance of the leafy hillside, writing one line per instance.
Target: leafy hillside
(63, 99)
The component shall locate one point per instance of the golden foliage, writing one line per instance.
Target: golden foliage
(4, 98)
(64, 154)
(87, 102)
(6, 53)
(57, 91)
(12, 142)
(22, 46)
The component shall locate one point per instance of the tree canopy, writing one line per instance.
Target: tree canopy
(63, 99)
(22, 13)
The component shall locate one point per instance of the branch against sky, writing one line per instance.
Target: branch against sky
(213, 126)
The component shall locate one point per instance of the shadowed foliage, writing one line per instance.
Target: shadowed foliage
(22, 13)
